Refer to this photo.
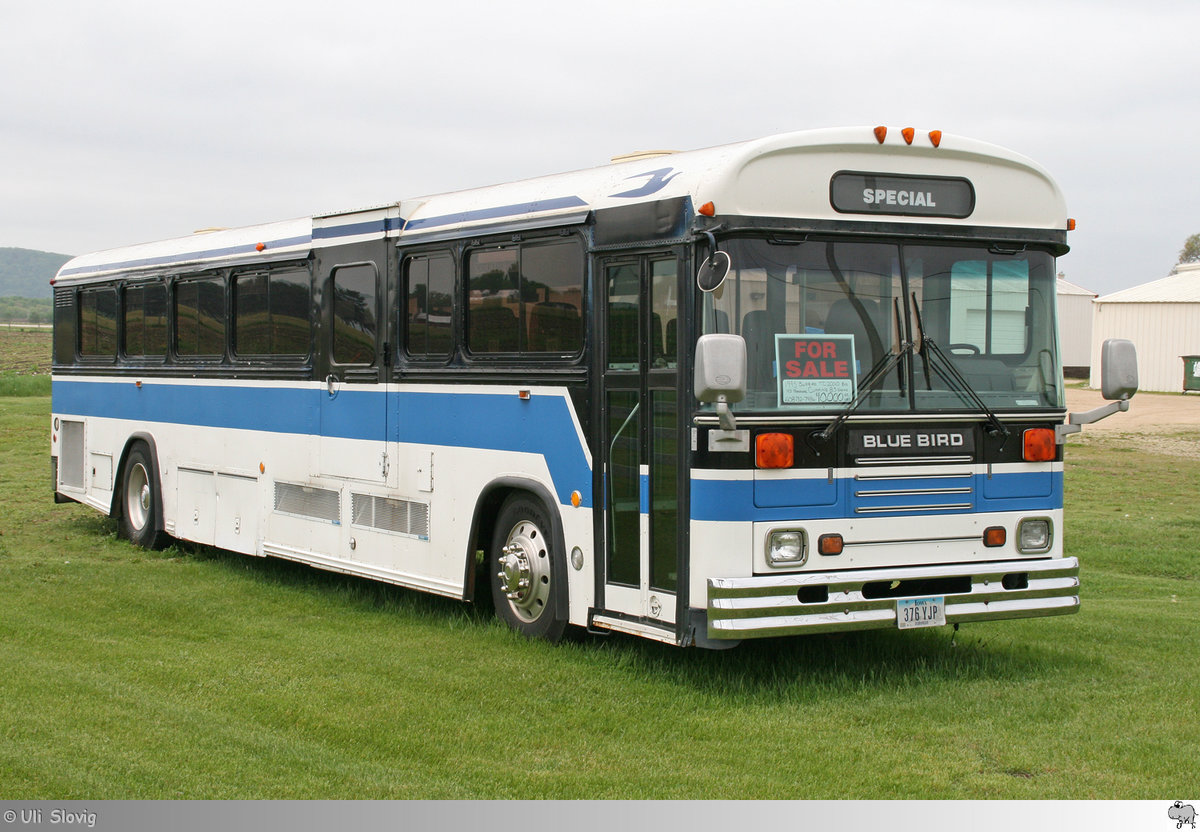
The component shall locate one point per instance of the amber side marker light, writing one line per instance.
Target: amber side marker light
(774, 450)
(1070, 223)
(707, 210)
(830, 544)
(995, 536)
(1040, 445)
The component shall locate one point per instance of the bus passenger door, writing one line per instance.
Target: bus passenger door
(641, 464)
(353, 420)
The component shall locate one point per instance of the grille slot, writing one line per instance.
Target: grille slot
(396, 516)
(308, 501)
(913, 493)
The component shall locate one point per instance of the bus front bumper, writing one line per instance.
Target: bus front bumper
(780, 605)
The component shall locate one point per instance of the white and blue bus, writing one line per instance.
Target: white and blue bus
(799, 384)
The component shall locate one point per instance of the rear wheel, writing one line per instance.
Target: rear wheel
(527, 571)
(141, 500)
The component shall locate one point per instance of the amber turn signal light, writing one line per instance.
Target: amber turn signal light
(1040, 445)
(830, 544)
(774, 450)
(995, 536)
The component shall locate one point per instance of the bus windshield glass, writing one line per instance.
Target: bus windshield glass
(829, 322)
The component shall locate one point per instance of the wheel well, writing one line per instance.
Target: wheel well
(114, 508)
(483, 526)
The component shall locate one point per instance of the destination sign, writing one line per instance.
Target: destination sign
(909, 442)
(851, 192)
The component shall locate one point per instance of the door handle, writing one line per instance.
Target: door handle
(331, 384)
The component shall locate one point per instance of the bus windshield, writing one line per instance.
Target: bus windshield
(827, 322)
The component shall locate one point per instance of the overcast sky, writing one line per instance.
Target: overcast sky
(124, 121)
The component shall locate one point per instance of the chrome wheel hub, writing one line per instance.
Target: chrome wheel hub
(137, 497)
(525, 570)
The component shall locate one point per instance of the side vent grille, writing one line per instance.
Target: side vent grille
(395, 516)
(307, 501)
(70, 463)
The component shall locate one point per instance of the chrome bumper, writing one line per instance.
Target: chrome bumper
(772, 605)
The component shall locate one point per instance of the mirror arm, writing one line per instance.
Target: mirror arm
(728, 422)
(1076, 421)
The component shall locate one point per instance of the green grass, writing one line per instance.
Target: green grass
(192, 673)
(24, 361)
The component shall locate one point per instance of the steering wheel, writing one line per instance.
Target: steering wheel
(969, 348)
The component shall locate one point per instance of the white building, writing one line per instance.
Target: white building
(1162, 318)
(1075, 327)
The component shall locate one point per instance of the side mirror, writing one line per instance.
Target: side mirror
(1118, 383)
(1118, 369)
(721, 373)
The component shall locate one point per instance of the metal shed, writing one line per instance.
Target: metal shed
(1162, 318)
(1075, 328)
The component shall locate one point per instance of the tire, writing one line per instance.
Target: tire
(140, 502)
(528, 572)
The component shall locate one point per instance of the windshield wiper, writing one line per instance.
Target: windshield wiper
(926, 347)
(882, 367)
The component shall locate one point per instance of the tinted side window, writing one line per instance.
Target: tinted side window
(272, 314)
(146, 320)
(526, 298)
(98, 323)
(552, 288)
(429, 289)
(354, 320)
(494, 311)
(200, 317)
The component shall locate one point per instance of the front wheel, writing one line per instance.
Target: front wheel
(527, 571)
(141, 500)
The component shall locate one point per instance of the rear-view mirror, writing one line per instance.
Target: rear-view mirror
(1118, 369)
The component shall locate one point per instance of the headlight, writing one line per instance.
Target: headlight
(1034, 535)
(787, 547)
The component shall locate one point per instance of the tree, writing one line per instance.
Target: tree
(1190, 253)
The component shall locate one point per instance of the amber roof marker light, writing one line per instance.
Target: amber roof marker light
(880, 134)
(935, 138)
(908, 133)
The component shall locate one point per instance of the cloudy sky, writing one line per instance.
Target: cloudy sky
(125, 121)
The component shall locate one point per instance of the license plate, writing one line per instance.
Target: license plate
(921, 612)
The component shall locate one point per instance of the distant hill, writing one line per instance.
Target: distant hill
(25, 273)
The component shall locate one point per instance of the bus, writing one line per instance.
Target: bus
(804, 383)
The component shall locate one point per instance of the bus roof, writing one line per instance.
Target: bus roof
(786, 176)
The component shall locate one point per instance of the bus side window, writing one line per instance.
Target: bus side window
(428, 314)
(98, 323)
(354, 321)
(200, 317)
(145, 314)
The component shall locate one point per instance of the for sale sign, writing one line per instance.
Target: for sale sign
(815, 369)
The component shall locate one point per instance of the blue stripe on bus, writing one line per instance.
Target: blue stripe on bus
(734, 501)
(499, 211)
(188, 256)
(357, 229)
(374, 226)
(541, 426)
